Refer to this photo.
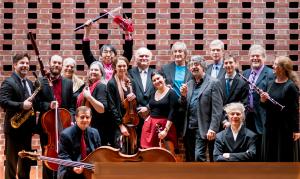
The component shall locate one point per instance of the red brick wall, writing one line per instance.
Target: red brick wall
(158, 24)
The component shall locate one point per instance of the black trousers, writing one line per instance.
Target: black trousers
(13, 144)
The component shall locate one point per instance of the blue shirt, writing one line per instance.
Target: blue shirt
(179, 78)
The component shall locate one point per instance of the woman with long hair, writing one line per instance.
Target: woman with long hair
(282, 127)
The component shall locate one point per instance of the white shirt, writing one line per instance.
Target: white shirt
(143, 74)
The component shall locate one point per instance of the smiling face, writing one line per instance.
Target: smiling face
(22, 67)
(196, 69)
(257, 59)
(158, 81)
(143, 57)
(107, 55)
(230, 66)
(83, 119)
(68, 68)
(121, 67)
(94, 73)
(235, 117)
(55, 65)
(179, 53)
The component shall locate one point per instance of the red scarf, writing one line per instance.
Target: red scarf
(80, 99)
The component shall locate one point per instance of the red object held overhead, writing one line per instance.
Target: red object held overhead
(125, 24)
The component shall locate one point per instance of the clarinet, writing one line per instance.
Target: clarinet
(259, 91)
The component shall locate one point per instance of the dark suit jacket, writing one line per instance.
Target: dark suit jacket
(70, 149)
(238, 91)
(169, 71)
(265, 77)
(210, 105)
(243, 149)
(221, 71)
(114, 101)
(11, 100)
(141, 96)
(89, 57)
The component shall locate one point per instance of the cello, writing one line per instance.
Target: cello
(106, 154)
(131, 119)
(53, 122)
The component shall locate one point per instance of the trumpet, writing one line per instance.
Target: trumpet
(20, 117)
(259, 91)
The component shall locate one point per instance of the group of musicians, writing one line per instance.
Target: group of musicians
(238, 116)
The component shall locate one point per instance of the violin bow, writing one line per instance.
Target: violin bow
(99, 17)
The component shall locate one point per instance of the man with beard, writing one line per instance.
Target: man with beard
(141, 76)
(202, 100)
(56, 90)
(260, 75)
(216, 49)
(15, 97)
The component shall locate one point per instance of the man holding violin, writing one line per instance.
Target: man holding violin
(15, 97)
(57, 92)
(76, 142)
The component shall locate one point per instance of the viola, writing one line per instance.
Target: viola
(165, 143)
(106, 154)
(53, 122)
(125, 24)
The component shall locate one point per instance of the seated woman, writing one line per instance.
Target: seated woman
(236, 143)
(162, 106)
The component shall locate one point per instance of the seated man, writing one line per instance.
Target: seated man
(235, 143)
(76, 142)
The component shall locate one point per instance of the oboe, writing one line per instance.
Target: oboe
(259, 91)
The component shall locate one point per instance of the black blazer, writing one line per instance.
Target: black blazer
(221, 71)
(89, 57)
(169, 71)
(69, 148)
(243, 149)
(11, 100)
(238, 91)
(266, 76)
(141, 96)
(114, 101)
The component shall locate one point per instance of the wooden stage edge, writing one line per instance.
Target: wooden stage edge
(191, 170)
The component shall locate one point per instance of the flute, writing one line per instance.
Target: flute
(259, 91)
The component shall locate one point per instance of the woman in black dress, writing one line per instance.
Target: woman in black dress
(282, 127)
(162, 105)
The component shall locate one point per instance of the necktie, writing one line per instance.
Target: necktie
(83, 146)
(26, 93)
(227, 86)
(251, 89)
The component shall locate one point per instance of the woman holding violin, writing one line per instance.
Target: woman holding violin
(94, 95)
(282, 127)
(158, 128)
(120, 92)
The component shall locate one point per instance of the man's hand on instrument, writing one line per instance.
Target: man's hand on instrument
(27, 104)
(53, 104)
(211, 135)
(296, 136)
(131, 96)
(78, 170)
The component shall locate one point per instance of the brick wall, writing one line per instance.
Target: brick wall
(158, 24)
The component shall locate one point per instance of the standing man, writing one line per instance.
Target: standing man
(234, 88)
(14, 98)
(141, 76)
(216, 70)
(176, 74)
(76, 142)
(202, 100)
(260, 75)
(60, 90)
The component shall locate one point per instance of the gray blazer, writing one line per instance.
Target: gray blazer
(210, 109)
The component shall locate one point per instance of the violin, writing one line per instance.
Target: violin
(131, 116)
(53, 122)
(165, 143)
